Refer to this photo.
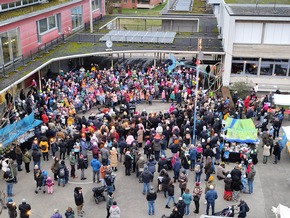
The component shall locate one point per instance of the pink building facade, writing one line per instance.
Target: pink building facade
(22, 35)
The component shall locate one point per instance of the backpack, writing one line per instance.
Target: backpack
(43, 147)
(247, 208)
(61, 172)
(197, 168)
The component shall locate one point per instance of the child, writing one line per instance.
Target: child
(226, 156)
(244, 182)
(44, 177)
(49, 184)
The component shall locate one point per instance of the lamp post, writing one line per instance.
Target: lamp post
(199, 57)
(91, 16)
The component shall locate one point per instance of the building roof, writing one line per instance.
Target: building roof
(260, 10)
(259, 1)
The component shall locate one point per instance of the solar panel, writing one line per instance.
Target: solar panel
(139, 36)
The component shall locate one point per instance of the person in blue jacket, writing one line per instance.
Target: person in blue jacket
(210, 196)
(192, 156)
(96, 165)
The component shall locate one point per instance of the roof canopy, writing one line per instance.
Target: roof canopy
(282, 99)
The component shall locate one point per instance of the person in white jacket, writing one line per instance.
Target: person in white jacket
(115, 211)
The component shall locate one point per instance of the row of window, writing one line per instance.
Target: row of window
(260, 66)
(18, 4)
(10, 42)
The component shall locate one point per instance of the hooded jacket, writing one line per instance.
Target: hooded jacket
(114, 211)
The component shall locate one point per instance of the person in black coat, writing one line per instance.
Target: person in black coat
(175, 213)
(181, 207)
(79, 200)
(151, 197)
(128, 163)
(24, 209)
(276, 152)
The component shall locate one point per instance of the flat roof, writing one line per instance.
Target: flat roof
(260, 10)
(254, 2)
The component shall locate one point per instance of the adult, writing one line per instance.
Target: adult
(82, 165)
(12, 208)
(182, 181)
(181, 206)
(109, 202)
(24, 209)
(54, 168)
(170, 197)
(79, 200)
(43, 146)
(96, 165)
(228, 190)
(128, 163)
(221, 171)
(251, 176)
(9, 179)
(210, 196)
(147, 177)
(208, 170)
(114, 159)
(61, 173)
(176, 168)
(198, 170)
(187, 198)
(72, 162)
(36, 157)
(26, 160)
(243, 209)
(266, 153)
(276, 152)
(196, 194)
(151, 198)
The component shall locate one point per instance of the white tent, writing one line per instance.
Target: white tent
(281, 210)
(283, 100)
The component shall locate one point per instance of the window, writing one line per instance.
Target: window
(9, 46)
(245, 66)
(275, 67)
(96, 4)
(77, 17)
(46, 24)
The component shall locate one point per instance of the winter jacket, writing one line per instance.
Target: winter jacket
(177, 166)
(266, 151)
(181, 207)
(221, 172)
(237, 185)
(151, 196)
(56, 215)
(147, 176)
(95, 164)
(170, 190)
(114, 211)
(128, 161)
(162, 164)
(228, 184)
(236, 174)
(211, 195)
(151, 166)
(79, 199)
(251, 174)
(183, 181)
(193, 154)
(187, 198)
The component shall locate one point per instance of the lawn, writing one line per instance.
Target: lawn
(153, 12)
(254, 1)
(29, 9)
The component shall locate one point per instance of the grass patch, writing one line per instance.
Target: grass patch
(139, 24)
(141, 12)
(198, 7)
(254, 2)
(29, 9)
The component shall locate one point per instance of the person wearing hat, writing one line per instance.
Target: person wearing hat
(181, 206)
(24, 209)
(151, 197)
(210, 196)
(12, 208)
(56, 214)
(228, 190)
(196, 194)
(157, 146)
(251, 176)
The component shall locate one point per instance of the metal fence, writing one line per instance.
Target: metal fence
(31, 55)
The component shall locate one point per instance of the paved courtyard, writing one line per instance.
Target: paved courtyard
(271, 187)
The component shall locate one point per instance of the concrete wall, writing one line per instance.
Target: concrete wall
(180, 25)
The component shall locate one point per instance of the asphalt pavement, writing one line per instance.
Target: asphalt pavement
(271, 187)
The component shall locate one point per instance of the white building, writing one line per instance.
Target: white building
(256, 40)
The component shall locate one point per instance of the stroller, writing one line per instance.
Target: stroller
(98, 194)
(227, 212)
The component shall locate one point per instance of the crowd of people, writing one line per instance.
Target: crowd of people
(145, 143)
